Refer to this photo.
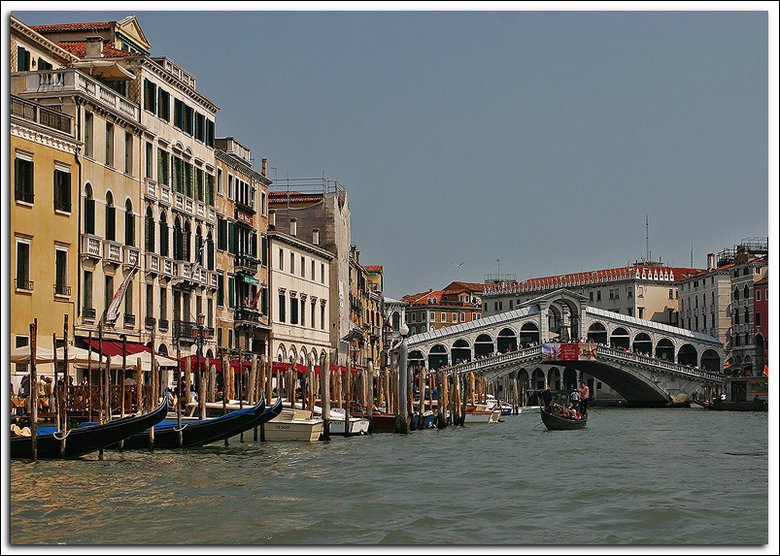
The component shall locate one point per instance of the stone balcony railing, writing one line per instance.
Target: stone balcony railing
(112, 251)
(151, 188)
(152, 262)
(132, 256)
(71, 81)
(168, 267)
(90, 246)
(165, 194)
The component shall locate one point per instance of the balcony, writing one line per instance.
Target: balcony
(188, 331)
(112, 252)
(213, 283)
(245, 263)
(70, 81)
(62, 290)
(24, 285)
(178, 201)
(168, 267)
(151, 189)
(246, 315)
(165, 195)
(128, 320)
(88, 314)
(163, 325)
(189, 205)
(150, 323)
(212, 214)
(132, 256)
(42, 116)
(152, 263)
(201, 209)
(90, 247)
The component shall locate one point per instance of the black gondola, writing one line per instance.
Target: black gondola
(200, 432)
(557, 423)
(81, 441)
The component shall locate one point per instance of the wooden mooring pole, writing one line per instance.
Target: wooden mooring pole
(34, 389)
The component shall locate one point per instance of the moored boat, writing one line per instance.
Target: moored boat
(80, 441)
(555, 422)
(482, 414)
(293, 424)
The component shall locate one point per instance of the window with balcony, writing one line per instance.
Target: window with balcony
(163, 164)
(149, 231)
(210, 190)
(149, 162)
(163, 235)
(24, 189)
(200, 185)
(61, 271)
(23, 265)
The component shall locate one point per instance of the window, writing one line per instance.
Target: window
(129, 300)
(150, 96)
(671, 294)
(162, 167)
(293, 310)
(164, 105)
(221, 233)
(262, 203)
(758, 319)
(108, 291)
(758, 295)
(23, 59)
(149, 230)
(322, 317)
(109, 144)
(590, 296)
(87, 303)
(209, 133)
(88, 134)
(230, 338)
(322, 273)
(747, 315)
(210, 190)
(746, 292)
(444, 317)
(110, 217)
(292, 262)
(43, 65)
(163, 303)
(149, 159)
(62, 190)
(231, 292)
(200, 127)
(282, 307)
(230, 187)
(24, 183)
(281, 259)
(163, 235)
(641, 312)
(598, 295)
(220, 185)
(129, 224)
(303, 267)
(23, 265)
(61, 271)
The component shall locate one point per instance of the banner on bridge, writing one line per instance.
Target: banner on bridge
(569, 351)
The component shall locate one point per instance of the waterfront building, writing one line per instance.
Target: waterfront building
(435, 309)
(299, 282)
(319, 209)
(760, 322)
(106, 178)
(644, 290)
(164, 177)
(44, 224)
(365, 313)
(241, 250)
(376, 311)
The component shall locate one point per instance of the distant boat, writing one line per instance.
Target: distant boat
(721, 405)
(555, 422)
(81, 441)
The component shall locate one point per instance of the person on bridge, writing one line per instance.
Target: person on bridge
(584, 393)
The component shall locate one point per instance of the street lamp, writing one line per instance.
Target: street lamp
(400, 419)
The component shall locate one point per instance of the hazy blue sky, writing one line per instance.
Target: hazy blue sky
(538, 138)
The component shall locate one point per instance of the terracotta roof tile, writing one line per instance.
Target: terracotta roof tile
(81, 26)
(79, 48)
(373, 268)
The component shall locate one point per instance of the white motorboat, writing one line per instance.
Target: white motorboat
(482, 413)
(293, 424)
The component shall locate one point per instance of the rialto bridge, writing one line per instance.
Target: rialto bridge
(648, 363)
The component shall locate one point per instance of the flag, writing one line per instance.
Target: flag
(256, 298)
(112, 312)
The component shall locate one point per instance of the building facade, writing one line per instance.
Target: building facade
(435, 309)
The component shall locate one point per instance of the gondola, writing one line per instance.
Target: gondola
(81, 441)
(200, 432)
(557, 423)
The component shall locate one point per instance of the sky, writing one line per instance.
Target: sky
(530, 143)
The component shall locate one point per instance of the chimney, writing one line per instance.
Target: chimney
(315, 236)
(94, 47)
(710, 261)
(293, 227)
(264, 171)
(272, 219)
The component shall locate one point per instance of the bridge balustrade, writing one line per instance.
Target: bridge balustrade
(662, 363)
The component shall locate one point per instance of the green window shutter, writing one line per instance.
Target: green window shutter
(232, 239)
(231, 293)
(220, 290)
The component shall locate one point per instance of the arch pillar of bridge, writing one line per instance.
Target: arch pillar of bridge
(544, 324)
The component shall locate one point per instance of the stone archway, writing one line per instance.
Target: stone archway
(643, 344)
(597, 333)
(506, 341)
(415, 359)
(461, 352)
(664, 349)
(710, 360)
(620, 338)
(569, 379)
(687, 355)
(437, 357)
(554, 378)
(529, 334)
(538, 379)
(483, 346)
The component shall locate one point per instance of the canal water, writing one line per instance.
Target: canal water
(634, 476)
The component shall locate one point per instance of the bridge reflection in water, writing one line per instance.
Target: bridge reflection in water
(648, 363)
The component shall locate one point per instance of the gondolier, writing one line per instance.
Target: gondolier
(547, 397)
(584, 395)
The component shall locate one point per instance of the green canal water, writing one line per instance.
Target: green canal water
(634, 476)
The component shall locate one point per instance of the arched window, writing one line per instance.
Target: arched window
(736, 294)
(110, 217)
(129, 224)
(89, 211)
(198, 254)
(746, 292)
(149, 230)
(210, 248)
(747, 315)
(163, 235)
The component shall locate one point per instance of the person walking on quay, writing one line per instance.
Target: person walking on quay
(584, 395)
